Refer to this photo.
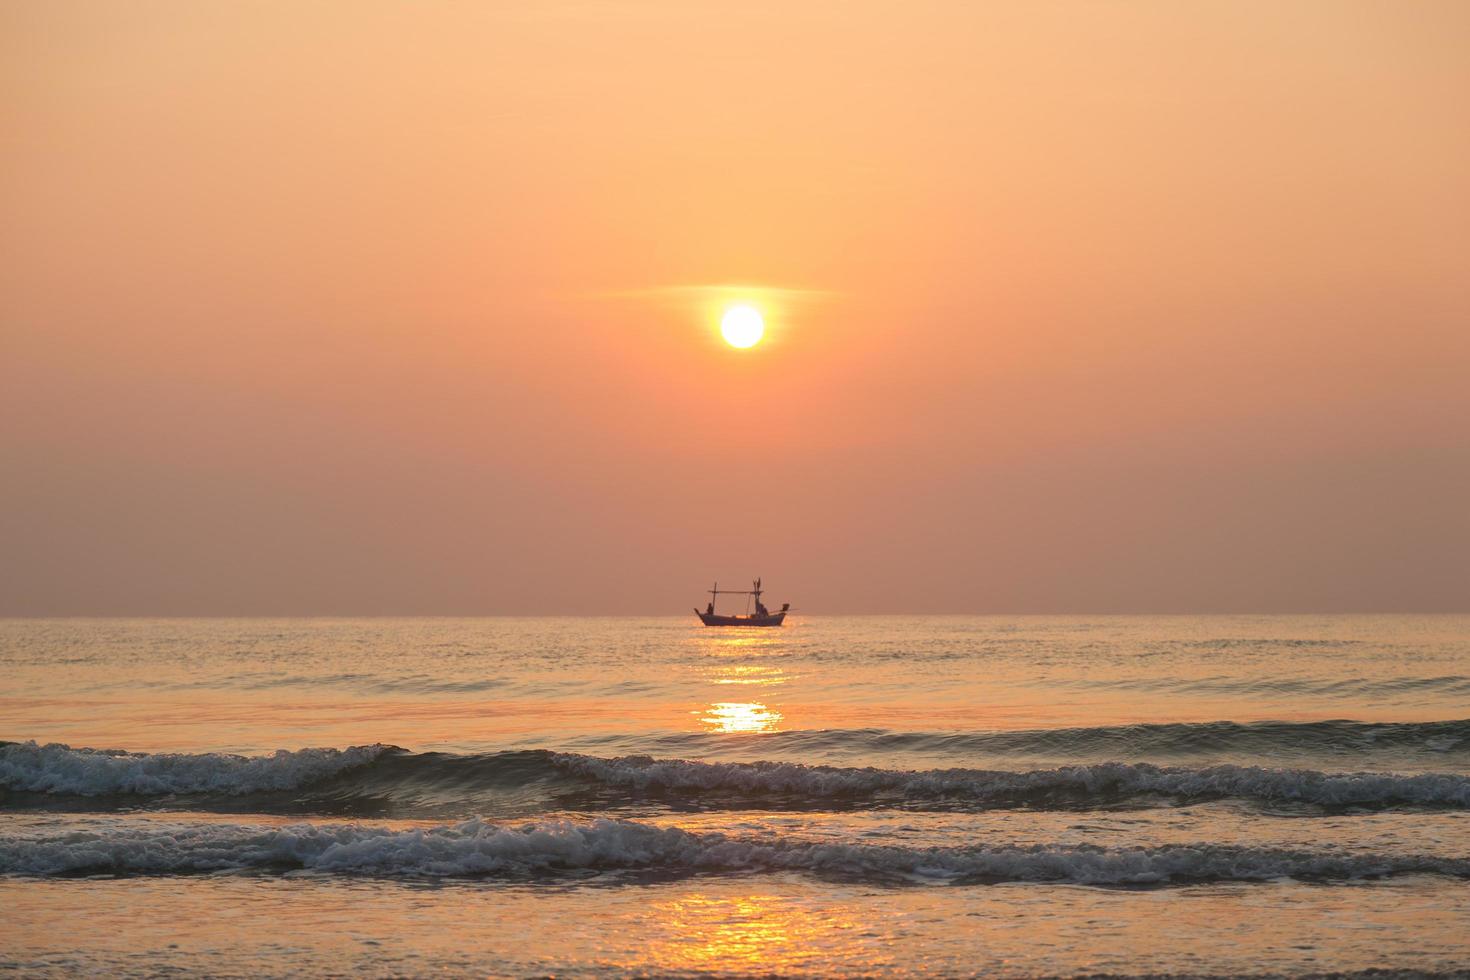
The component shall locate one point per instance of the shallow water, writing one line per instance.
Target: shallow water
(883, 795)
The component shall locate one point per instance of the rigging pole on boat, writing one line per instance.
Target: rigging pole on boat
(760, 617)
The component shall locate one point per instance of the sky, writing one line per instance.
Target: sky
(365, 308)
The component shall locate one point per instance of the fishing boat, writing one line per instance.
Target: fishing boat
(760, 617)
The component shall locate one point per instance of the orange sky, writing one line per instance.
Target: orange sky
(355, 307)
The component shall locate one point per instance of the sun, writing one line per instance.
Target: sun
(742, 325)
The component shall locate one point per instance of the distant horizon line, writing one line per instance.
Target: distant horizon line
(797, 615)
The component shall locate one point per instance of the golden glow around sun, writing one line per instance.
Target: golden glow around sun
(742, 325)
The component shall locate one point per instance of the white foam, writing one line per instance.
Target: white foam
(57, 768)
(479, 848)
(1104, 779)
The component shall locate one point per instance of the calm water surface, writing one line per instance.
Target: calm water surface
(941, 795)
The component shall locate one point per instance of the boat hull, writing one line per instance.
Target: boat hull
(712, 619)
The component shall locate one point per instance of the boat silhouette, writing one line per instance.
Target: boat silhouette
(761, 617)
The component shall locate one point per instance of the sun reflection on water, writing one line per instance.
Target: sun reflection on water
(739, 643)
(749, 674)
(743, 658)
(729, 717)
(755, 933)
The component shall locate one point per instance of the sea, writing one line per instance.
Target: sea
(843, 796)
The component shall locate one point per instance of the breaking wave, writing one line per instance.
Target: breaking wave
(385, 780)
(477, 848)
(56, 768)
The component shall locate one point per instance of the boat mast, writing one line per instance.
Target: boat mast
(754, 591)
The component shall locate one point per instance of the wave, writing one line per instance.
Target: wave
(478, 848)
(57, 768)
(1089, 783)
(386, 780)
(1267, 740)
(1355, 687)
